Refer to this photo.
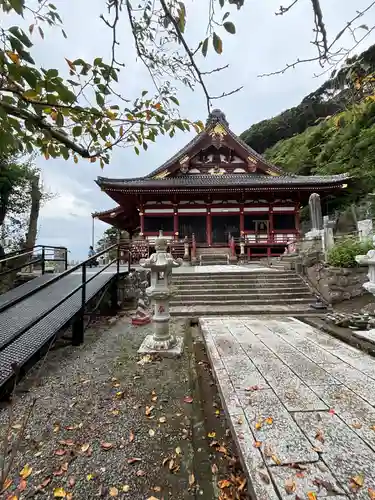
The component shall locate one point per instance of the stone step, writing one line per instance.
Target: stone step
(229, 290)
(214, 263)
(248, 282)
(235, 275)
(237, 310)
(244, 301)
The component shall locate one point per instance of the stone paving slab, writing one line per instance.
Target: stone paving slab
(278, 378)
(368, 335)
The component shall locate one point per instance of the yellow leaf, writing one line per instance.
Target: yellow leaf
(269, 420)
(15, 58)
(240, 420)
(26, 471)
(191, 479)
(162, 420)
(358, 480)
(211, 434)
(371, 493)
(59, 493)
(121, 131)
(89, 477)
(276, 459)
(126, 488)
(46, 155)
(7, 483)
(69, 496)
(85, 447)
(311, 495)
(178, 450)
(113, 492)
(258, 426)
(224, 484)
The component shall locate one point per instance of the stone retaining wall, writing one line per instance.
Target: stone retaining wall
(338, 284)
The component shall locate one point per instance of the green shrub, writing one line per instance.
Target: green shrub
(344, 252)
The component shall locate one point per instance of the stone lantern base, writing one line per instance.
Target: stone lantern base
(170, 348)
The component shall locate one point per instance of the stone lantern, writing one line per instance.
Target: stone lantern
(161, 264)
(369, 260)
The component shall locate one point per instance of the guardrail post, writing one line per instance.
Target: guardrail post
(43, 259)
(66, 258)
(78, 325)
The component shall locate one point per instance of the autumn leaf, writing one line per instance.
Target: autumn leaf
(224, 483)
(151, 433)
(319, 436)
(85, 447)
(258, 426)
(331, 411)
(268, 451)
(211, 434)
(242, 484)
(134, 460)
(148, 410)
(22, 485)
(240, 420)
(257, 444)
(264, 477)
(214, 469)
(131, 437)
(371, 493)
(311, 495)
(276, 459)
(59, 493)
(357, 425)
(188, 399)
(252, 388)
(125, 488)
(26, 471)
(162, 420)
(290, 485)
(89, 477)
(113, 491)
(140, 473)
(70, 64)
(191, 479)
(358, 480)
(8, 481)
(178, 450)
(269, 420)
(15, 58)
(106, 446)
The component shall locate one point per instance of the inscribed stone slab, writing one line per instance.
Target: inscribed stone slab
(283, 436)
(357, 381)
(306, 480)
(353, 410)
(344, 452)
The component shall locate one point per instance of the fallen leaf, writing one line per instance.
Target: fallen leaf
(331, 411)
(222, 449)
(152, 498)
(106, 446)
(134, 460)
(140, 473)
(59, 493)
(43, 484)
(89, 477)
(269, 420)
(58, 472)
(178, 450)
(242, 484)
(85, 447)
(119, 395)
(252, 388)
(162, 420)
(115, 412)
(157, 488)
(276, 459)
(290, 485)
(224, 483)
(357, 425)
(26, 471)
(258, 426)
(311, 495)
(264, 477)
(113, 491)
(257, 444)
(319, 436)
(148, 410)
(211, 434)
(72, 481)
(126, 488)
(165, 461)
(69, 496)
(371, 493)
(151, 432)
(188, 399)
(240, 420)
(8, 481)
(16, 427)
(131, 437)
(300, 474)
(22, 485)
(214, 469)
(145, 359)
(67, 442)
(60, 452)
(191, 479)
(331, 488)
(268, 451)
(358, 480)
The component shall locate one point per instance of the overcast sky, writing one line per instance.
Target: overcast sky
(263, 43)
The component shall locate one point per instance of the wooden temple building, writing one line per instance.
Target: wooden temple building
(215, 190)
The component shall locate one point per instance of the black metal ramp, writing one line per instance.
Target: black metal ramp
(13, 320)
(20, 291)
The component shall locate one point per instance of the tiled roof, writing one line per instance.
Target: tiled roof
(234, 180)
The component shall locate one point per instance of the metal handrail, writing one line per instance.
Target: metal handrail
(20, 253)
(79, 326)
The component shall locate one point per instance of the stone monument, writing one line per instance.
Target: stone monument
(315, 217)
(161, 264)
(365, 229)
(328, 240)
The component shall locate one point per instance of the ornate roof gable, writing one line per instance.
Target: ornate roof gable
(215, 139)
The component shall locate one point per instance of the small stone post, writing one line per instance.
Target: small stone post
(315, 217)
(242, 250)
(186, 250)
(161, 264)
(328, 240)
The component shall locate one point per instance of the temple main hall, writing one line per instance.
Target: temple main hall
(214, 191)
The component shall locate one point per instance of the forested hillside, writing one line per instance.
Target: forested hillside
(332, 131)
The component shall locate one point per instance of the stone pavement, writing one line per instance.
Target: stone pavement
(301, 405)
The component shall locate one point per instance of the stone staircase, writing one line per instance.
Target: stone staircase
(232, 293)
(212, 256)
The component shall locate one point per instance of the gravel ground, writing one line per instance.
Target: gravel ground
(96, 411)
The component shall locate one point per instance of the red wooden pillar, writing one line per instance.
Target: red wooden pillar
(175, 223)
(209, 227)
(297, 219)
